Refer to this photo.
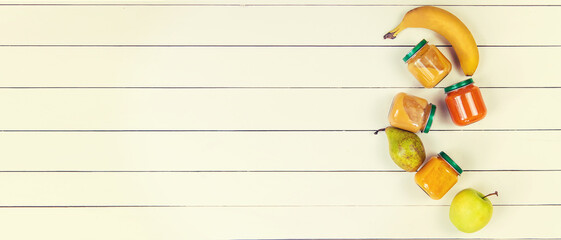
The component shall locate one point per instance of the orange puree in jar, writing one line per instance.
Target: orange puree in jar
(438, 175)
(465, 103)
(427, 64)
(411, 113)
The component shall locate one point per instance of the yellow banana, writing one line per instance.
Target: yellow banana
(447, 25)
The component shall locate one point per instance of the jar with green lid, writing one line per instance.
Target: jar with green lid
(427, 64)
(438, 175)
(465, 103)
(411, 113)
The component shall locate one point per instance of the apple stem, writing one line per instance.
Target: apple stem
(495, 193)
(381, 129)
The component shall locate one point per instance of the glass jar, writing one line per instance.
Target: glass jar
(411, 113)
(438, 175)
(465, 103)
(427, 64)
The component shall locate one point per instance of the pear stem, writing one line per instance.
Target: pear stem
(381, 129)
(495, 193)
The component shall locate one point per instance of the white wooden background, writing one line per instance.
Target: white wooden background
(253, 119)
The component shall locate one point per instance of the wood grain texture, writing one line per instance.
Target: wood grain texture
(266, 151)
(253, 109)
(334, 3)
(270, 223)
(264, 189)
(281, 25)
(260, 67)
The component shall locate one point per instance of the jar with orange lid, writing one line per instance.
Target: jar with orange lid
(465, 103)
(438, 175)
(427, 64)
(411, 113)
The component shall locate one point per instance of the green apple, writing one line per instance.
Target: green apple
(470, 210)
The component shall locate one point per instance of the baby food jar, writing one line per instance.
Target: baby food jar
(438, 175)
(411, 113)
(465, 103)
(427, 64)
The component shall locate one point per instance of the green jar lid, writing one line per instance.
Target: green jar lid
(458, 85)
(414, 50)
(429, 119)
(451, 162)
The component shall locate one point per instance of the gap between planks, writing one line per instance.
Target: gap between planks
(264, 5)
(261, 171)
(264, 45)
(202, 87)
(262, 206)
(267, 130)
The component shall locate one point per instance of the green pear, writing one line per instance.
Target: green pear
(406, 149)
(470, 210)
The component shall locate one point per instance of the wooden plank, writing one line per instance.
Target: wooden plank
(264, 189)
(265, 151)
(252, 109)
(335, 3)
(288, 25)
(259, 67)
(270, 223)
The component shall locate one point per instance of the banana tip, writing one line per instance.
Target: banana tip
(389, 35)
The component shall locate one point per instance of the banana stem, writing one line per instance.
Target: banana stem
(389, 35)
(393, 33)
(495, 193)
(381, 129)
